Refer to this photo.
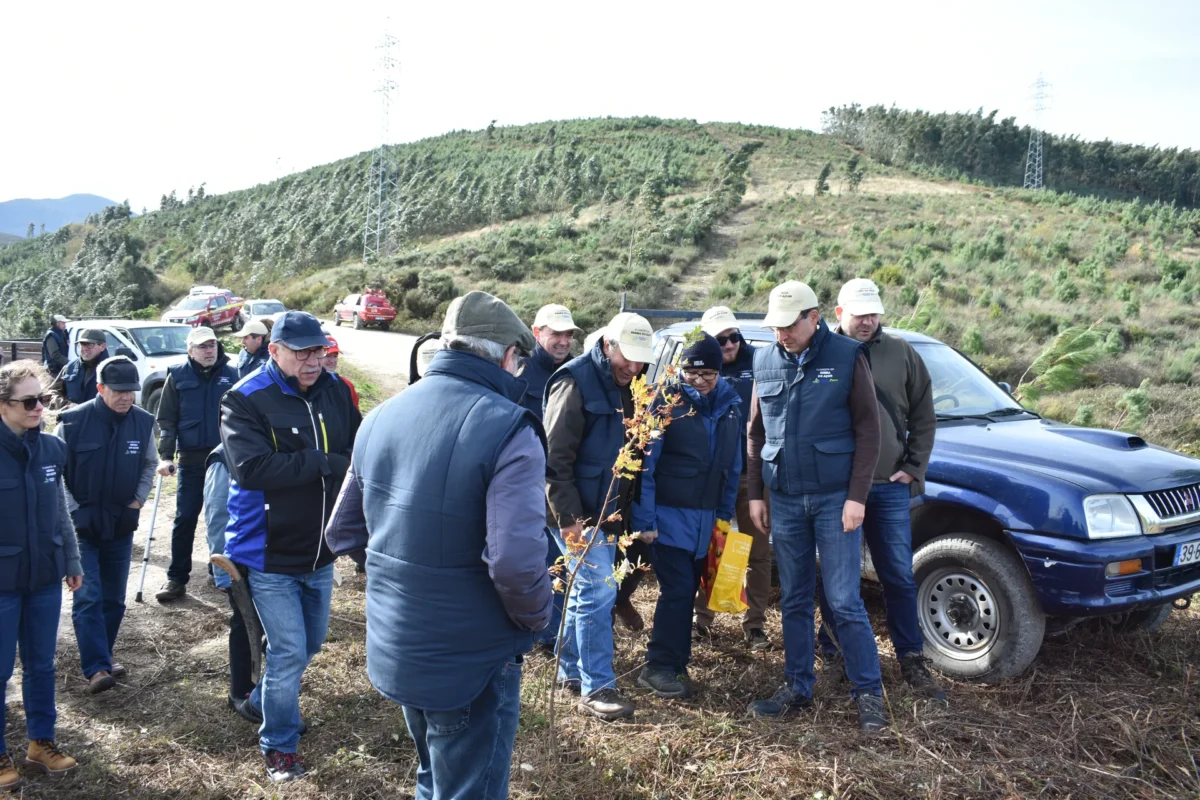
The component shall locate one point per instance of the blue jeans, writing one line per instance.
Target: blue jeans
(587, 643)
(99, 606)
(216, 515)
(467, 752)
(189, 499)
(888, 532)
(552, 553)
(678, 571)
(801, 524)
(31, 620)
(294, 610)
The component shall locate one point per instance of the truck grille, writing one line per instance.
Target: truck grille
(1175, 502)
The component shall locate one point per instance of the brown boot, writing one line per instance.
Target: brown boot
(9, 777)
(100, 682)
(629, 616)
(45, 755)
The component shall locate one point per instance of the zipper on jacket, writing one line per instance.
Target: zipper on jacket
(323, 446)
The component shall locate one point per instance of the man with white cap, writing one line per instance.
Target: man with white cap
(55, 350)
(814, 443)
(254, 347)
(737, 368)
(189, 415)
(587, 403)
(907, 425)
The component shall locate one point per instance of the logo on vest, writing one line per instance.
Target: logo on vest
(825, 375)
(133, 448)
(51, 473)
(223, 380)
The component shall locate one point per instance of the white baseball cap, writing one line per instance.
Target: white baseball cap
(717, 319)
(200, 335)
(557, 317)
(786, 302)
(254, 327)
(860, 298)
(633, 335)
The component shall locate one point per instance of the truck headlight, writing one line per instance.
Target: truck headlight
(1110, 516)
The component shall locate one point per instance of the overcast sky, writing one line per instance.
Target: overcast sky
(131, 100)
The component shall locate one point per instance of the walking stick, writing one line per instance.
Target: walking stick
(149, 539)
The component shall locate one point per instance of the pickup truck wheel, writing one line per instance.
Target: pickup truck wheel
(1144, 620)
(977, 608)
(337, 320)
(383, 326)
(357, 323)
(152, 401)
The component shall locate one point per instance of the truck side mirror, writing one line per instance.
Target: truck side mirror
(1005, 386)
(125, 351)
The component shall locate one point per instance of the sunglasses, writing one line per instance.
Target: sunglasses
(31, 403)
(734, 337)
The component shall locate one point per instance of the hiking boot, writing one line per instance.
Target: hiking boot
(118, 671)
(665, 683)
(284, 767)
(702, 631)
(756, 640)
(629, 616)
(607, 705)
(251, 714)
(833, 667)
(45, 755)
(872, 717)
(174, 590)
(9, 777)
(101, 682)
(916, 674)
(572, 686)
(784, 700)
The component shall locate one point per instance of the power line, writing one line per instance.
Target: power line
(1035, 158)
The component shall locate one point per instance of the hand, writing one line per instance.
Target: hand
(74, 582)
(647, 536)
(852, 515)
(166, 468)
(760, 515)
(902, 477)
(135, 505)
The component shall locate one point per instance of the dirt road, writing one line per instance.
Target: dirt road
(384, 355)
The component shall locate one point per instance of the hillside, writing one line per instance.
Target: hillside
(15, 215)
(8, 238)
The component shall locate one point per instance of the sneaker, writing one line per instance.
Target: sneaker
(570, 685)
(174, 590)
(9, 777)
(284, 767)
(756, 640)
(101, 682)
(784, 700)
(45, 755)
(833, 667)
(872, 717)
(251, 714)
(916, 674)
(607, 705)
(629, 616)
(118, 671)
(665, 683)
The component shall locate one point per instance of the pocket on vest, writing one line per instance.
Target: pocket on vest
(834, 458)
(127, 522)
(770, 465)
(10, 566)
(589, 482)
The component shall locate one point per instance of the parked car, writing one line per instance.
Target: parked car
(218, 310)
(153, 346)
(369, 308)
(1028, 525)
(263, 309)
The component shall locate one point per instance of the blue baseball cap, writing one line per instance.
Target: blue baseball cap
(299, 330)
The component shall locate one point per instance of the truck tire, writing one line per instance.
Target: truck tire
(337, 320)
(153, 400)
(1142, 620)
(238, 322)
(977, 608)
(357, 323)
(383, 326)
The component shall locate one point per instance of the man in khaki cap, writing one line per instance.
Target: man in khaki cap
(254, 347)
(587, 403)
(814, 443)
(907, 426)
(77, 382)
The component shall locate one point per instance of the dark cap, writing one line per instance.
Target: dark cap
(93, 335)
(299, 330)
(119, 374)
(704, 354)
(483, 316)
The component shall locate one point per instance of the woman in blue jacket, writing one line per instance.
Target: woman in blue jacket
(37, 550)
(690, 480)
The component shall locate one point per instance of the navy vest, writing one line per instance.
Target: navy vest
(31, 548)
(536, 371)
(80, 381)
(693, 468)
(105, 454)
(740, 375)
(806, 413)
(604, 429)
(61, 338)
(248, 362)
(436, 627)
(200, 403)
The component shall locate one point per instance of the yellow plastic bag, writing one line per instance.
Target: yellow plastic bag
(724, 579)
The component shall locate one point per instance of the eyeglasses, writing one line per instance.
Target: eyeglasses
(707, 376)
(310, 352)
(31, 403)
(734, 337)
(91, 344)
(204, 346)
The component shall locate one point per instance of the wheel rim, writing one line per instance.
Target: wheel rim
(959, 614)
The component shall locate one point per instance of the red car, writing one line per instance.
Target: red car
(369, 308)
(214, 310)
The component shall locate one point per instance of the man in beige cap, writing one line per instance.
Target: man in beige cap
(907, 426)
(737, 368)
(587, 403)
(254, 347)
(814, 443)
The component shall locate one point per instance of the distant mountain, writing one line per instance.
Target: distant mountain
(15, 215)
(8, 239)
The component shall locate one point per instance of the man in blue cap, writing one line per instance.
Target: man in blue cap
(288, 431)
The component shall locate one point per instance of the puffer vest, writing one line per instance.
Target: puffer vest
(200, 403)
(31, 473)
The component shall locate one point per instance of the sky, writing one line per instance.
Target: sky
(133, 100)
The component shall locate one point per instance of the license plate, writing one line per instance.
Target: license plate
(1188, 553)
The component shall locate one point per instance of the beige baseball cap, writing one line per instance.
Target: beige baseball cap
(200, 335)
(254, 327)
(860, 298)
(786, 302)
(633, 335)
(717, 319)
(556, 317)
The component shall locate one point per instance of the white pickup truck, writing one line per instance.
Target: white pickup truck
(153, 346)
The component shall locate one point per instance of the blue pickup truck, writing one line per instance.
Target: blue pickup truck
(1029, 526)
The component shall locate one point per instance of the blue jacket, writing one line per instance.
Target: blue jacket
(197, 426)
(701, 451)
(105, 455)
(536, 371)
(32, 499)
(806, 414)
(247, 362)
(79, 381)
(437, 629)
(740, 375)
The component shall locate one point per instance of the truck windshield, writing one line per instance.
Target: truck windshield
(262, 309)
(198, 303)
(164, 340)
(961, 389)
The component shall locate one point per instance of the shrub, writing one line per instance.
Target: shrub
(891, 275)
(972, 341)
(1067, 292)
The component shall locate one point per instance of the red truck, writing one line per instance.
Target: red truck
(214, 310)
(369, 308)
